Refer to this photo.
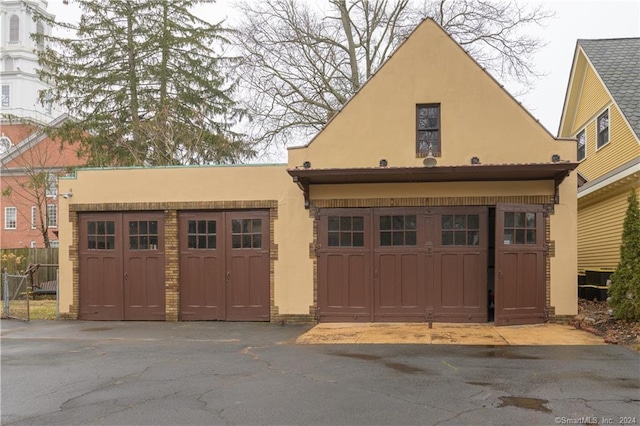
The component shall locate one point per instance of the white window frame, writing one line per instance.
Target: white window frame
(34, 217)
(6, 96)
(14, 29)
(32, 244)
(54, 244)
(7, 224)
(583, 131)
(52, 215)
(607, 110)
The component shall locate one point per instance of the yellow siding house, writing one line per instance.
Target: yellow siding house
(602, 111)
(432, 195)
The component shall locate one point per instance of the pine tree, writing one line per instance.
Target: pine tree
(144, 83)
(624, 289)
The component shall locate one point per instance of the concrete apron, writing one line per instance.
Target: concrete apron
(447, 334)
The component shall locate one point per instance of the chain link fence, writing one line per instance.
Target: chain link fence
(15, 296)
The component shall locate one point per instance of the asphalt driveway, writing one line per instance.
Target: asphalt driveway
(202, 373)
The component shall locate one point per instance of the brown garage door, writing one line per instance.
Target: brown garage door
(520, 266)
(122, 266)
(402, 264)
(224, 266)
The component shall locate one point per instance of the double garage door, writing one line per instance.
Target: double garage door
(223, 266)
(438, 264)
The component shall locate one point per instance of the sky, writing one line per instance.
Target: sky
(575, 19)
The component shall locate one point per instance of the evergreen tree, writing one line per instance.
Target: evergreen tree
(624, 289)
(145, 84)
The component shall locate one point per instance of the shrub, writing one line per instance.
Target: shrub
(624, 289)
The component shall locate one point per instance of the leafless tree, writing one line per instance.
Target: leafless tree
(301, 62)
(30, 182)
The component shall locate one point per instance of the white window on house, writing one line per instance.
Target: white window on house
(10, 217)
(34, 217)
(603, 129)
(52, 185)
(582, 145)
(47, 103)
(5, 144)
(40, 32)
(52, 215)
(14, 29)
(6, 92)
(32, 244)
(54, 244)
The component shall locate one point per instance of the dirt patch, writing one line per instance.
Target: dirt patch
(595, 317)
(527, 403)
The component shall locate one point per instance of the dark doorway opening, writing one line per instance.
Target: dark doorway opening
(491, 265)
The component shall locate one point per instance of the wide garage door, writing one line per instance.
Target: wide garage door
(122, 266)
(224, 266)
(403, 264)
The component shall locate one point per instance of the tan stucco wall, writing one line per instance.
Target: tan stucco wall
(293, 227)
(564, 287)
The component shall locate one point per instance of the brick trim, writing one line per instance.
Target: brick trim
(432, 201)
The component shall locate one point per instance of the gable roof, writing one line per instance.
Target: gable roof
(617, 62)
(25, 136)
(425, 22)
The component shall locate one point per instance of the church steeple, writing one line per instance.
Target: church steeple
(19, 81)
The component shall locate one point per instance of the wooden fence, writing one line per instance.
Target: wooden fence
(16, 261)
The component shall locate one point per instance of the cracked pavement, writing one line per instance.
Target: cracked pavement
(202, 373)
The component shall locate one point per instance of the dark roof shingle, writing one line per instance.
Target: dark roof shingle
(617, 61)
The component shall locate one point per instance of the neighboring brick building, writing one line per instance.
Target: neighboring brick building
(31, 163)
(27, 155)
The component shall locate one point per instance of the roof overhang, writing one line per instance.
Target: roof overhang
(467, 173)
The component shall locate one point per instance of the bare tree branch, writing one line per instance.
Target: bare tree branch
(300, 64)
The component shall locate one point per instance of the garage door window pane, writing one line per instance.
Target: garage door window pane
(447, 221)
(385, 223)
(447, 238)
(201, 234)
(520, 228)
(358, 224)
(466, 230)
(101, 235)
(334, 223)
(246, 233)
(473, 221)
(531, 236)
(508, 219)
(358, 239)
(473, 238)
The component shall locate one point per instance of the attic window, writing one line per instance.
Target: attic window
(603, 129)
(428, 130)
